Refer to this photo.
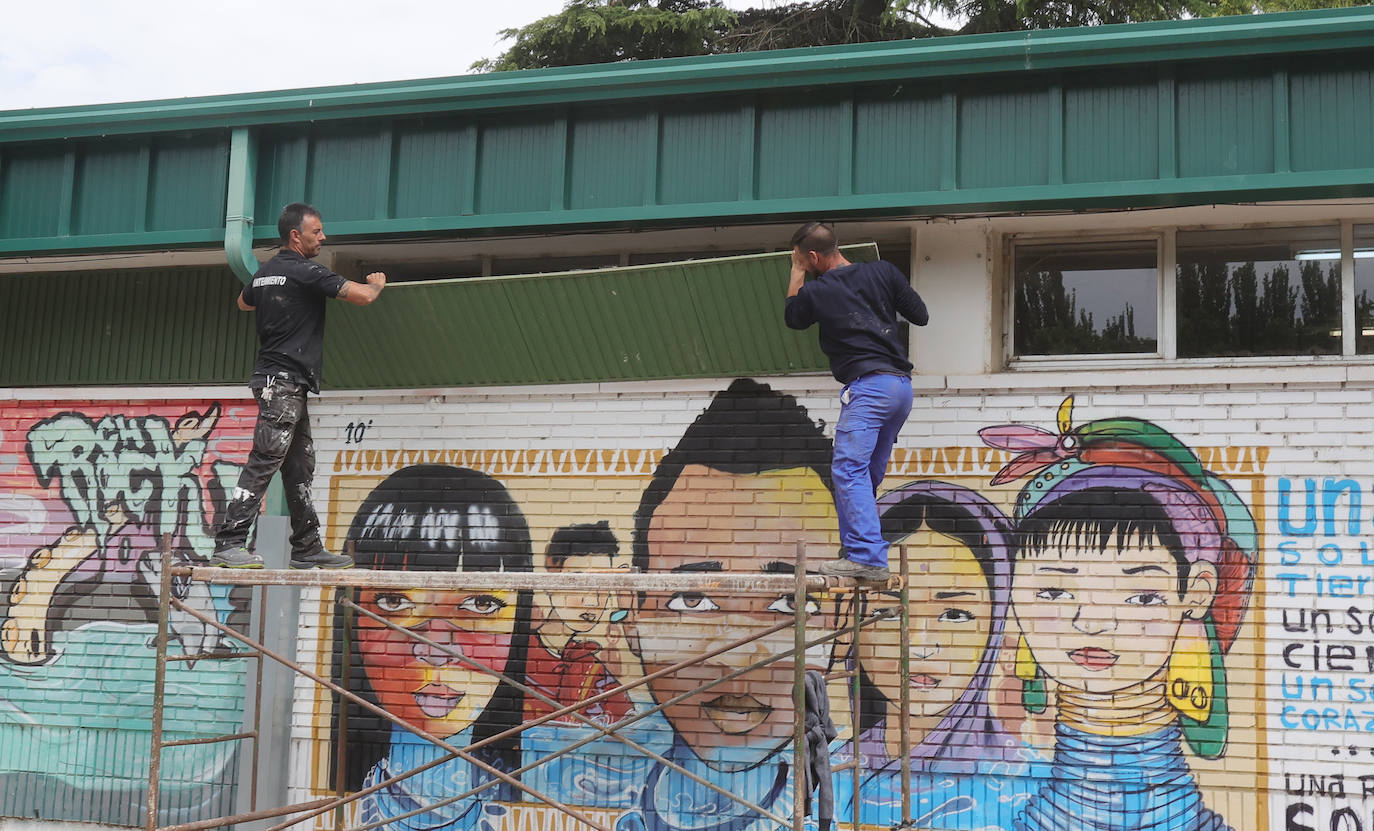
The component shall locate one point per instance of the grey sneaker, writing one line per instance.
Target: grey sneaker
(322, 559)
(849, 568)
(236, 557)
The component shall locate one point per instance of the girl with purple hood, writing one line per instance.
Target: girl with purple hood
(966, 770)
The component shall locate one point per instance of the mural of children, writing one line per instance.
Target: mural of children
(575, 656)
(436, 518)
(966, 769)
(568, 664)
(748, 478)
(1133, 572)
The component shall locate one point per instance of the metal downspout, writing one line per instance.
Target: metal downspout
(238, 207)
(238, 244)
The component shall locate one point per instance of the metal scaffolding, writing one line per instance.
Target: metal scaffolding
(799, 585)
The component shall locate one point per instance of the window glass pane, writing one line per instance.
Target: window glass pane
(1087, 298)
(1265, 291)
(1364, 289)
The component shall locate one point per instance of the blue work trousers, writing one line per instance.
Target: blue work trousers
(872, 411)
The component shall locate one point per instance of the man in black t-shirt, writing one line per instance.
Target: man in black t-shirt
(288, 294)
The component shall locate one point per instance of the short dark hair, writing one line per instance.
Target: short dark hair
(575, 540)
(292, 216)
(1093, 516)
(749, 428)
(816, 236)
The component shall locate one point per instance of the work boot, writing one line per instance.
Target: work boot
(236, 557)
(858, 571)
(321, 559)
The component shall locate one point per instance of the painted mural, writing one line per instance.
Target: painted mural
(86, 493)
(1082, 608)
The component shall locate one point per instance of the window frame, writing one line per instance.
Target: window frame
(1010, 241)
(1167, 317)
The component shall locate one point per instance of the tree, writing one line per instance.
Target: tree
(605, 31)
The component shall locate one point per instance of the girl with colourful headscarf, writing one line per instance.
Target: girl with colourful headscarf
(965, 767)
(1132, 574)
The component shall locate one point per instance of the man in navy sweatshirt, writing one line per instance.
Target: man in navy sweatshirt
(856, 305)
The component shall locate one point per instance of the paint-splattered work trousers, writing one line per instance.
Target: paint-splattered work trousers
(872, 411)
(281, 441)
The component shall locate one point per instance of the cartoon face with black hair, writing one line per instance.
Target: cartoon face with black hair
(722, 503)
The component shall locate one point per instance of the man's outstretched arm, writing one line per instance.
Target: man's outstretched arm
(361, 294)
(243, 304)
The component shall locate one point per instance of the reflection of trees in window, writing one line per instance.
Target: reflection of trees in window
(1050, 322)
(1234, 309)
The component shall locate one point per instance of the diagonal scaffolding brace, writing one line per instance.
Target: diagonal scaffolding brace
(799, 586)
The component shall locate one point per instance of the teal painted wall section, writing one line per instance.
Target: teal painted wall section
(1149, 123)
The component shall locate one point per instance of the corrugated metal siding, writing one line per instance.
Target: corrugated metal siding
(433, 173)
(698, 319)
(1333, 115)
(1004, 137)
(899, 141)
(613, 160)
(700, 152)
(517, 161)
(31, 188)
(118, 192)
(163, 326)
(1226, 123)
(111, 189)
(1110, 130)
(803, 148)
(189, 179)
(346, 172)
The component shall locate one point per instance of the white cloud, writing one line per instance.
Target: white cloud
(98, 51)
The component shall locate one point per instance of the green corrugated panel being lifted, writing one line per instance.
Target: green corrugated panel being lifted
(704, 318)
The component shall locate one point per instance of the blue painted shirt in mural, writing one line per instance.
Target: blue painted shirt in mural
(985, 798)
(1126, 783)
(428, 789)
(672, 802)
(603, 773)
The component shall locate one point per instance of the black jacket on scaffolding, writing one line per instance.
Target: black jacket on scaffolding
(820, 731)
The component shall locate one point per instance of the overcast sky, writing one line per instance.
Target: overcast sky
(99, 51)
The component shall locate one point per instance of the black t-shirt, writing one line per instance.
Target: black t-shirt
(288, 292)
(856, 306)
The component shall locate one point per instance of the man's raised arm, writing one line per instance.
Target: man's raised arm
(361, 294)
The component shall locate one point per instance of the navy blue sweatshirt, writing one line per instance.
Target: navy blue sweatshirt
(857, 307)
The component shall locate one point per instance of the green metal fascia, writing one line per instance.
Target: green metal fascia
(1150, 192)
(1154, 192)
(194, 238)
(1189, 40)
(238, 209)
